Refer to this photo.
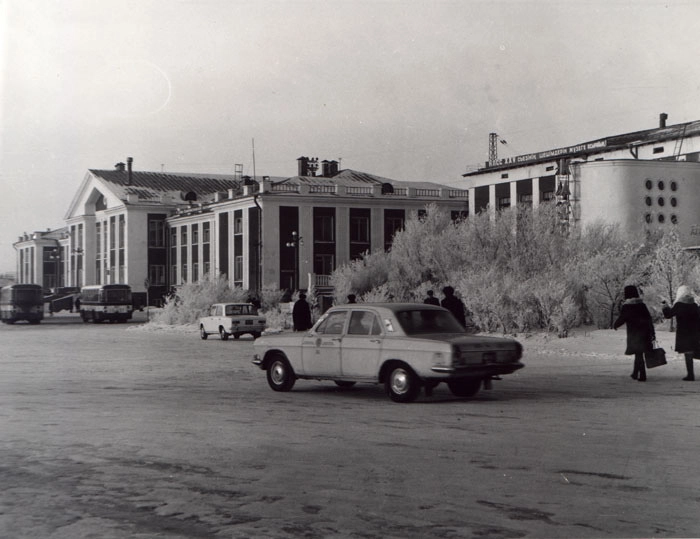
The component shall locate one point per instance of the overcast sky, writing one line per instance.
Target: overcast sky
(408, 90)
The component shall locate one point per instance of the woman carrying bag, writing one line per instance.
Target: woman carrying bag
(640, 330)
(687, 315)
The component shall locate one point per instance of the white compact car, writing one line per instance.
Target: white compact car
(232, 319)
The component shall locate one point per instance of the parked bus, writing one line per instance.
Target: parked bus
(106, 302)
(21, 302)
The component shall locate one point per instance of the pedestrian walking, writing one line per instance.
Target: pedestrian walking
(301, 314)
(431, 299)
(640, 330)
(687, 315)
(455, 305)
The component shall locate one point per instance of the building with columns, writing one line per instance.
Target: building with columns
(156, 231)
(639, 180)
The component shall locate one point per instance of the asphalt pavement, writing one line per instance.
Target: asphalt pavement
(125, 430)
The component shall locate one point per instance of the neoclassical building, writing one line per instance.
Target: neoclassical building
(155, 230)
(643, 179)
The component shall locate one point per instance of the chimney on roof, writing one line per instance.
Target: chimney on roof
(662, 119)
(329, 168)
(307, 166)
(129, 161)
(120, 166)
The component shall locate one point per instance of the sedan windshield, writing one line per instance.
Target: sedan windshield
(417, 322)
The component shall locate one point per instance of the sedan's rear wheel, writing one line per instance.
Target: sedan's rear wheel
(223, 334)
(467, 387)
(401, 383)
(280, 375)
(202, 333)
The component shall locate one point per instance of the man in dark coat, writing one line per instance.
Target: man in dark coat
(301, 314)
(640, 330)
(431, 299)
(687, 315)
(455, 305)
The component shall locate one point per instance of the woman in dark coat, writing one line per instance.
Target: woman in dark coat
(687, 315)
(640, 330)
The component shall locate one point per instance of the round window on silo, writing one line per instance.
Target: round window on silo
(660, 201)
(647, 200)
(674, 186)
(649, 184)
(661, 218)
(661, 185)
(674, 201)
(674, 219)
(647, 217)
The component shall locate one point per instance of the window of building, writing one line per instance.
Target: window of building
(661, 218)
(648, 201)
(503, 202)
(183, 235)
(649, 184)
(184, 273)
(205, 232)
(659, 149)
(647, 217)
(674, 201)
(195, 234)
(324, 264)
(122, 231)
(195, 272)
(549, 168)
(238, 268)
(547, 196)
(674, 186)
(526, 199)
(206, 268)
(324, 228)
(661, 185)
(660, 201)
(504, 176)
(674, 218)
(359, 229)
(156, 274)
(238, 225)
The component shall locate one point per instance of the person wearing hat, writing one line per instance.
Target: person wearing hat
(640, 330)
(687, 315)
(301, 314)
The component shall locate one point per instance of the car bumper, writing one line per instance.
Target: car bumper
(258, 361)
(481, 370)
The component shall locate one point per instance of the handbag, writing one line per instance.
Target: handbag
(656, 357)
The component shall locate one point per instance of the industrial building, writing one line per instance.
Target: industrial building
(640, 180)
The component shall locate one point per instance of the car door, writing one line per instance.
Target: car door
(321, 349)
(211, 323)
(361, 346)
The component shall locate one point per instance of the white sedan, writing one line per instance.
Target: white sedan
(405, 346)
(231, 319)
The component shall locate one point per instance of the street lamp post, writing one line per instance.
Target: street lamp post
(297, 240)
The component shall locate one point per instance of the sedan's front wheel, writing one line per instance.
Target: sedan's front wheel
(402, 384)
(280, 375)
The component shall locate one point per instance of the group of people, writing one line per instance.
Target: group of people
(641, 334)
(450, 302)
